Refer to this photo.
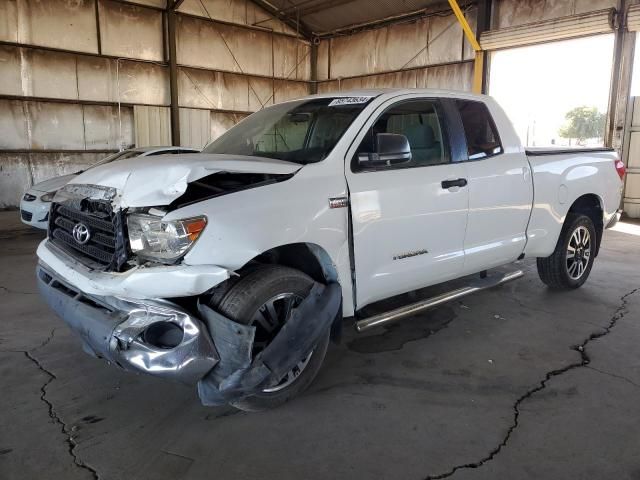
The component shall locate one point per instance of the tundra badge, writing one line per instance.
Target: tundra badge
(338, 202)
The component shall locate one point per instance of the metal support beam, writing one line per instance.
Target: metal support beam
(278, 14)
(478, 71)
(314, 67)
(483, 23)
(173, 74)
(98, 34)
(616, 73)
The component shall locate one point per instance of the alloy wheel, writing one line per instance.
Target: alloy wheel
(268, 320)
(578, 252)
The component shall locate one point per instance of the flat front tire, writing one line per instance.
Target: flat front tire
(264, 298)
(570, 264)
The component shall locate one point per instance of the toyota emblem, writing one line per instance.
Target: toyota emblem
(81, 233)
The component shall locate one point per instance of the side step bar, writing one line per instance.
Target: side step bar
(408, 310)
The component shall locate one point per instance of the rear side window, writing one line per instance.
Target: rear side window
(481, 133)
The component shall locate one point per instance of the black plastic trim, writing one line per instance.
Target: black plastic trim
(457, 139)
(541, 153)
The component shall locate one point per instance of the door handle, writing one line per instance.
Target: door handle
(458, 182)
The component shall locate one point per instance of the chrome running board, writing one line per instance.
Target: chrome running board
(412, 309)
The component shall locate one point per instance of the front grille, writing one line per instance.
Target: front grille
(104, 249)
(26, 216)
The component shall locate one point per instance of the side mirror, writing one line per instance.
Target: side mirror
(391, 149)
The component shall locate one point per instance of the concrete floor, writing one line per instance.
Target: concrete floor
(491, 387)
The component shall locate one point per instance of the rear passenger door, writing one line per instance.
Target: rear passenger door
(500, 192)
(408, 228)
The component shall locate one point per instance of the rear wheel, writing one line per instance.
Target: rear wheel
(570, 264)
(264, 298)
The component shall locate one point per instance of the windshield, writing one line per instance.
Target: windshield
(303, 131)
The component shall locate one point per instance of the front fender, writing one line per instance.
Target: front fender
(248, 223)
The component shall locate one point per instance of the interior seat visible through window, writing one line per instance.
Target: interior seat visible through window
(418, 121)
(481, 132)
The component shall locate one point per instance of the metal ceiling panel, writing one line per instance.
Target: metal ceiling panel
(325, 16)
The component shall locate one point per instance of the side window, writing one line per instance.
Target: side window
(481, 133)
(421, 123)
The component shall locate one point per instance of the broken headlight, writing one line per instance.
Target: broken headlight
(165, 241)
(48, 197)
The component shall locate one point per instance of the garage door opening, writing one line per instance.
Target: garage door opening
(557, 93)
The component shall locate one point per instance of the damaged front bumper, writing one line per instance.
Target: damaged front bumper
(150, 336)
(160, 338)
(159, 281)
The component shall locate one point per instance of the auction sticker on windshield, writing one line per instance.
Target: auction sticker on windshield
(349, 101)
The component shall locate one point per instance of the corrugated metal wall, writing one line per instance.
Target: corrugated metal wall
(429, 52)
(81, 78)
(632, 159)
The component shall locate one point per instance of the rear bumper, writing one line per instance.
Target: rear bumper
(149, 336)
(614, 219)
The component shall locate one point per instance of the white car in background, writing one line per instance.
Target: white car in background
(35, 203)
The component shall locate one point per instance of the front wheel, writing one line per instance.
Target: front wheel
(264, 298)
(569, 265)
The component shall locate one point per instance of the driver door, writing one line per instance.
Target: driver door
(408, 218)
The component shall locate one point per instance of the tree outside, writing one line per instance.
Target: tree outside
(582, 124)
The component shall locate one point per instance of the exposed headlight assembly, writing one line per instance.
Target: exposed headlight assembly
(164, 241)
(48, 197)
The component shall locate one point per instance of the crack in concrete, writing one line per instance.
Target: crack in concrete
(619, 313)
(15, 292)
(613, 375)
(69, 440)
(179, 455)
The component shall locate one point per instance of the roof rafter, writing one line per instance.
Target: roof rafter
(319, 7)
(279, 14)
(327, 18)
(174, 4)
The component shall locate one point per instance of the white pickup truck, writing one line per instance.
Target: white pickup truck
(232, 269)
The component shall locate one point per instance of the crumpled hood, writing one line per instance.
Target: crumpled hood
(158, 180)
(53, 184)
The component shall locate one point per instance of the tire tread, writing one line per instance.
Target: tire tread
(245, 293)
(552, 269)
